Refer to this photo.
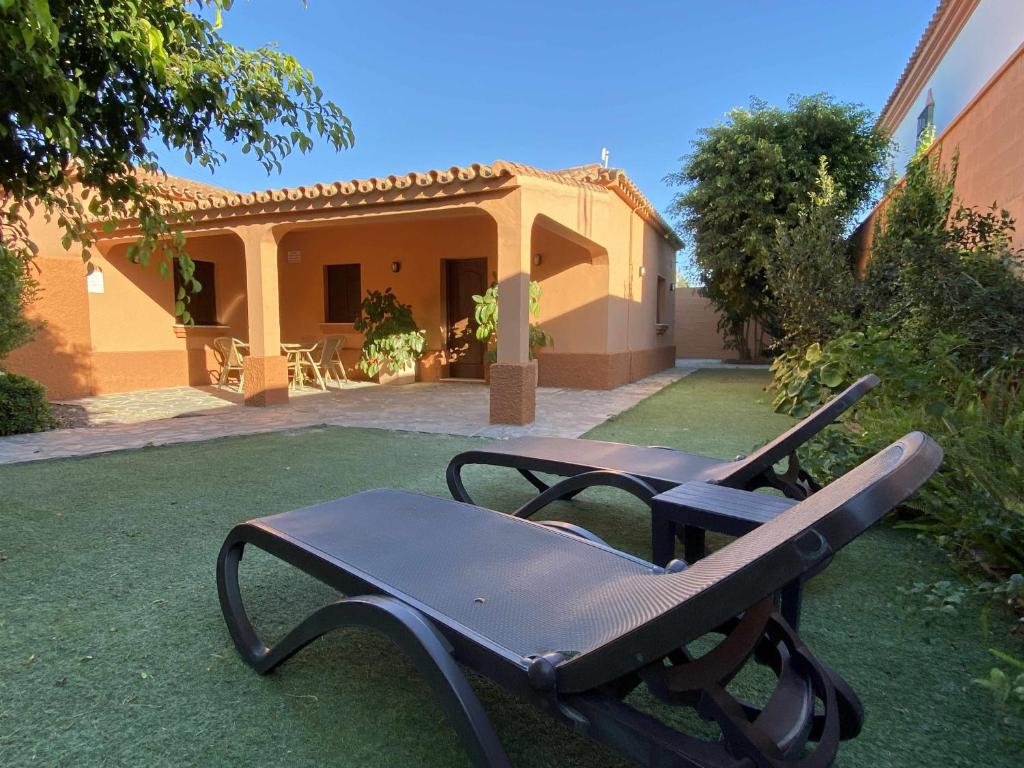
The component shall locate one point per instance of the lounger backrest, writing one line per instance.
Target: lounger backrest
(679, 607)
(778, 449)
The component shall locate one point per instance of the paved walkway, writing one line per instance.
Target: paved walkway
(186, 415)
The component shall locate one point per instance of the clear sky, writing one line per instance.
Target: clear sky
(435, 84)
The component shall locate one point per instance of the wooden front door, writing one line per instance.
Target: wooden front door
(464, 278)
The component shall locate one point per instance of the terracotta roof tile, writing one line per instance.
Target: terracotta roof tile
(197, 196)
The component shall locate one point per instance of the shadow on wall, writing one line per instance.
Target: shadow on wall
(63, 367)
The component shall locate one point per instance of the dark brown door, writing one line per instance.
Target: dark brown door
(464, 278)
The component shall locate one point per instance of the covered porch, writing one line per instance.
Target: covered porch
(293, 270)
(292, 266)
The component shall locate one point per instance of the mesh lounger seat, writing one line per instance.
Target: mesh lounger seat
(660, 468)
(572, 625)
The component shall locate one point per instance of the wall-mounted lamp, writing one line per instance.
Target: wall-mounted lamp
(671, 286)
(643, 271)
(396, 266)
(537, 259)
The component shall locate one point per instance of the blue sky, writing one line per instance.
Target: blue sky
(437, 84)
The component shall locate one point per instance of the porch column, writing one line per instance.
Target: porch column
(514, 375)
(266, 369)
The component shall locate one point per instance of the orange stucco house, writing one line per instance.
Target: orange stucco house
(288, 264)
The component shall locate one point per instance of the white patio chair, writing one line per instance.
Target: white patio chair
(231, 352)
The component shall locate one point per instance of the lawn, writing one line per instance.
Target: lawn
(114, 651)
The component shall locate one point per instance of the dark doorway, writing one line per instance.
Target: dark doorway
(463, 279)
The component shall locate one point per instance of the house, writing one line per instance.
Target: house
(965, 79)
(289, 264)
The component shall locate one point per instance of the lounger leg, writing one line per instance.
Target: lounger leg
(694, 546)
(535, 481)
(577, 483)
(405, 627)
(541, 486)
(453, 476)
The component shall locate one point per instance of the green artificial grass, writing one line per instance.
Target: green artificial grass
(114, 652)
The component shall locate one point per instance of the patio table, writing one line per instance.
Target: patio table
(697, 507)
(298, 355)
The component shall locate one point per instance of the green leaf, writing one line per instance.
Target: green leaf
(832, 375)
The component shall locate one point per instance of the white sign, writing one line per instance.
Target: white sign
(94, 281)
(294, 257)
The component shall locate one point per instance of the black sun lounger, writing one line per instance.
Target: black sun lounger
(659, 468)
(573, 626)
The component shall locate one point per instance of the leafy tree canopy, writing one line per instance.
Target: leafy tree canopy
(90, 88)
(755, 171)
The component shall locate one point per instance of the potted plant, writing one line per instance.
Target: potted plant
(391, 341)
(486, 315)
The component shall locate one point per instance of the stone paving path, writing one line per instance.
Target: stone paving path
(455, 408)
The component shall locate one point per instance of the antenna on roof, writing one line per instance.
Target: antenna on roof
(604, 156)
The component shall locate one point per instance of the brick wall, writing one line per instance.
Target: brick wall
(697, 333)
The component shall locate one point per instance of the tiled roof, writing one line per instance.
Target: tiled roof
(182, 189)
(203, 197)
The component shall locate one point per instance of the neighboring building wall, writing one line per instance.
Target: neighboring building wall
(992, 34)
(988, 137)
(696, 331)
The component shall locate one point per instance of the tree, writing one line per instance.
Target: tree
(811, 274)
(89, 88)
(16, 289)
(755, 171)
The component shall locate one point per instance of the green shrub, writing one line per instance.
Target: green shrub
(17, 287)
(486, 315)
(811, 273)
(938, 267)
(23, 405)
(391, 340)
(1006, 684)
(754, 170)
(803, 378)
(974, 505)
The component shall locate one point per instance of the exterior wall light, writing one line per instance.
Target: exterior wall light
(396, 266)
(537, 259)
(643, 271)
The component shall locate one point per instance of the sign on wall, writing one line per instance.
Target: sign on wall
(94, 281)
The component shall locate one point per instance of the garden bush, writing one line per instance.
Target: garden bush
(23, 405)
(392, 342)
(941, 322)
(811, 273)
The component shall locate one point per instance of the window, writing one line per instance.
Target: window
(343, 292)
(203, 305)
(926, 119)
(662, 311)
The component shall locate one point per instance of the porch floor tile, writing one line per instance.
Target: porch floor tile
(185, 414)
